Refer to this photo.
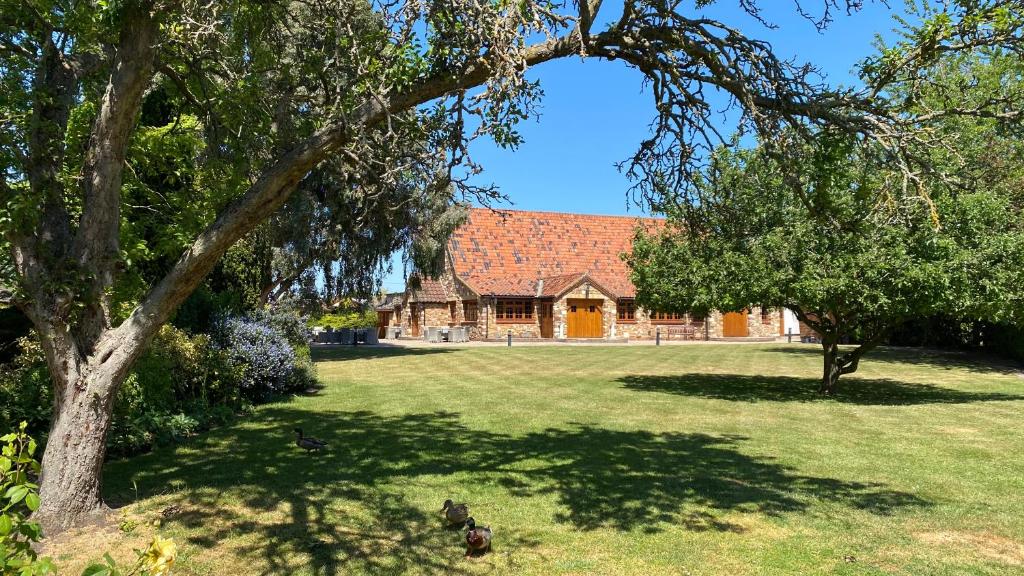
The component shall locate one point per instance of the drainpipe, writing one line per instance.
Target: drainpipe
(487, 318)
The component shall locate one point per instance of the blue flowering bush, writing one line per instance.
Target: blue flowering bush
(182, 385)
(269, 351)
(290, 324)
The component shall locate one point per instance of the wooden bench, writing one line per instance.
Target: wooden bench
(682, 332)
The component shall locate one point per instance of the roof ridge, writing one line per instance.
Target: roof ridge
(524, 211)
(565, 275)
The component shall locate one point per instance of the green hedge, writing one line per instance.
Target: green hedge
(354, 319)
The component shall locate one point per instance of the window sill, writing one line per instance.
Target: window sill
(517, 321)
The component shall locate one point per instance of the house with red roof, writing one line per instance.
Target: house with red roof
(552, 275)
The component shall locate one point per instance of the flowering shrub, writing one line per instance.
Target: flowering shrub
(261, 354)
(290, 324)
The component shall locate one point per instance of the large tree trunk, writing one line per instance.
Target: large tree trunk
(833, 368)
(84, 392)
(837, 364)
(71, 486)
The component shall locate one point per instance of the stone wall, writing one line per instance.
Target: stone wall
(643, 328)
(435, 314)
(764, 327)
(461, 294)
(526, 329)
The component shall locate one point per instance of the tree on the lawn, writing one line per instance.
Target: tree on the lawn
(850, 264)
(854, 251)
(280, 87)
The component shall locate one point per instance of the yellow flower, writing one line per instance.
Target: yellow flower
(159, 558)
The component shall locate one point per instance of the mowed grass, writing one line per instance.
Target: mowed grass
(702, 459)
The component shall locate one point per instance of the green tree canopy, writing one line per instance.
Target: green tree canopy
(856, 251)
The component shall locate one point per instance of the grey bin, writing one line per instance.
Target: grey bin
(371, 336)
(346, 335)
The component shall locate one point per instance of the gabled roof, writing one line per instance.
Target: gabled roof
(508, 252)
(557, 286)
(389, 301)
(554, 286)
(428, 291)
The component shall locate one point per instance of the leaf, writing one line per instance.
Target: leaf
(5, 525)
(31, 530)
(32, 501)
(97, 570)
(16, 493)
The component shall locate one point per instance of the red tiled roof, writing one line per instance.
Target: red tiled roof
(506, 252)
(555, 285)
(389, 301)
(429, 291)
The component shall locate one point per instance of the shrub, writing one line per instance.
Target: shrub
(353, 319)
(263, 357)
(20, 498)
(180, 386)
(25, 390)
(290, 324)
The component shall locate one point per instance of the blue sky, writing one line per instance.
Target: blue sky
(594, 113)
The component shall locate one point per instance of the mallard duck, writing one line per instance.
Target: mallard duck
(477, 538)
(455, 514)
(308, 443)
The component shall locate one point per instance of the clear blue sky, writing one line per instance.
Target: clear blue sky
(594, 113)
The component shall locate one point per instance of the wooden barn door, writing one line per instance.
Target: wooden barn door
(584, 319)
(414, 320)
(546, 313)
(734, 324)
(383, 319)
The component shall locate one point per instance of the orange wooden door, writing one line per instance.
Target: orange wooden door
(546, 313)
(414, 320)
(584, 319)
(383, 319)
(734, 324)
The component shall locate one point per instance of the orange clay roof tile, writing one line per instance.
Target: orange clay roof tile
(429, 291)
(507, 252)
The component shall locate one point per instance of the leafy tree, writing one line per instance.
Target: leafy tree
(262, 93)
(848, 259)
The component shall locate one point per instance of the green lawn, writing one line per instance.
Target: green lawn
(704, 459)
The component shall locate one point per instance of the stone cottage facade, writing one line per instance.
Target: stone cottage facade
(551, 275)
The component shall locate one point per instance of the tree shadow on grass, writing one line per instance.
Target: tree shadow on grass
(945, 359)
(345, 511)
(332, 352)
(746, 388)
